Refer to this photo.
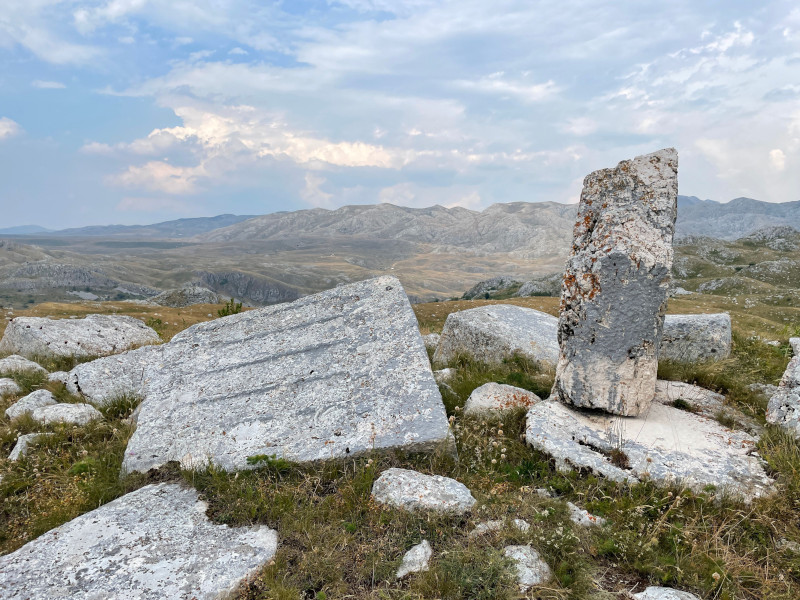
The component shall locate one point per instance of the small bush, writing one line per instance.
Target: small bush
(231, 307)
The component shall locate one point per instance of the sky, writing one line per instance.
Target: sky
(137, 111)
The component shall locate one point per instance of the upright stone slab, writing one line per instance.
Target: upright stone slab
(151, 544)
(94, 335)
(614, 294)
(331, 375)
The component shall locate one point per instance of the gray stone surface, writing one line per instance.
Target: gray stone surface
(498, 397)
(665, 444)
(496, 525)
(431, 340)
(105, 379)
(94, 335)
(19, 364)
(186, 296)
(9, 386)
(583, 517)
(662, 593)
(491, 333)
(692, 338)
(29, 403)
(153, 544)
(415, 560)
(531, 569)
(444, 375)
(59, 377)
(20, 449)
(704, 402)
(332, 375)
(74, 414)
(614, 295)
(795, 344)
(784, 406)
(411, 490)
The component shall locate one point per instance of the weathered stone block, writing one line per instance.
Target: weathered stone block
(332, 375)
(498, 397)
(614, 294)
(531, 569)
(411, 490)
(151, 544)
(692, 338)
(19, 364)
(8, 386)
(784, 406)
(94, 335)
(29, 403)
(492, 333)
(74, 414)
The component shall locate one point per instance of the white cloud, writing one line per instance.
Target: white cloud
(9, 128)
(238, 51)
(777, 159)
(47, 85)
(313, 194)
(159, 176)
(498, 83)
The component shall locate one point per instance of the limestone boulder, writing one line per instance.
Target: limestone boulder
(431, 340)
(497, 525)
(73, 414)
(530, 569)
(332, 375)
(411, 490)
(94, 335)
(694, 338)
(614, 294)
(27, 404)
(783, 408)
(58, 377)
(498, 397)
(795, 344)
(415, 560)
(665, 444)
(492, 333)
(9, 386)
(581, 516)
(19, 364)
(151, 544)
(24, 442)
(663, 593)
(187, 295)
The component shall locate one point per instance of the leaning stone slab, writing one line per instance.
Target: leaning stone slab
(151, 544)
(27, 404)
(20, 449)
(498, 397)
(666, 445)
(411, 490)
(19, 364)
(783, 408)
(94, 335)
(693, 338)
(105, 379)
(9, 386)
(614, 294)
(415, 560)
(531, 569)
(662, 593)
(73, 414)
(492, 333)
(331, 375)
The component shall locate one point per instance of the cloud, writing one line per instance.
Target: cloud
(313, 194)
(47, 85)
(160, 176)
(238, 51)
(9, 128)
(777, 159)
(499, 84)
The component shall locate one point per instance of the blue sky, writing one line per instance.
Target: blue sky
(135, 111)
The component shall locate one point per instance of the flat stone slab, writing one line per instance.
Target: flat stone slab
(94, 335)
(73, 414)
(27, 404)
(19, 364)
(703, 402)
(498, 397)
(662, 593)
(411, 490)
(492, 333)
(9, 386)
(531, 569)
(693, 338)
(415, 560)
(666, 445)
(331, 375)
(24, 442)
(151, 544)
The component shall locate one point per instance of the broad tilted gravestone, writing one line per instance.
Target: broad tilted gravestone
(151, 544)
(332, 375)
(693, 338)
(492, 333)
(614, 294)
(94, 335)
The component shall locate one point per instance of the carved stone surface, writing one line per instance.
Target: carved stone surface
(614, 294)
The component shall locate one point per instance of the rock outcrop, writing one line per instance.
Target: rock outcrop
(106, 379)
(693, 338)
(24, 442)
(498, 397)
(73, 414)
(9, 386)
(94, 335)
(784, 406)
(492, 333)
(663, 593)
(614, 294)
(151, 544)
(186, 296)
(415, 560)
(531, 569)
(27, 404)
(19, 364)
(411, 490)
(332, 375)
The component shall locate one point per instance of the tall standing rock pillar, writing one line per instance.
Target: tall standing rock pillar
(614, 293)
